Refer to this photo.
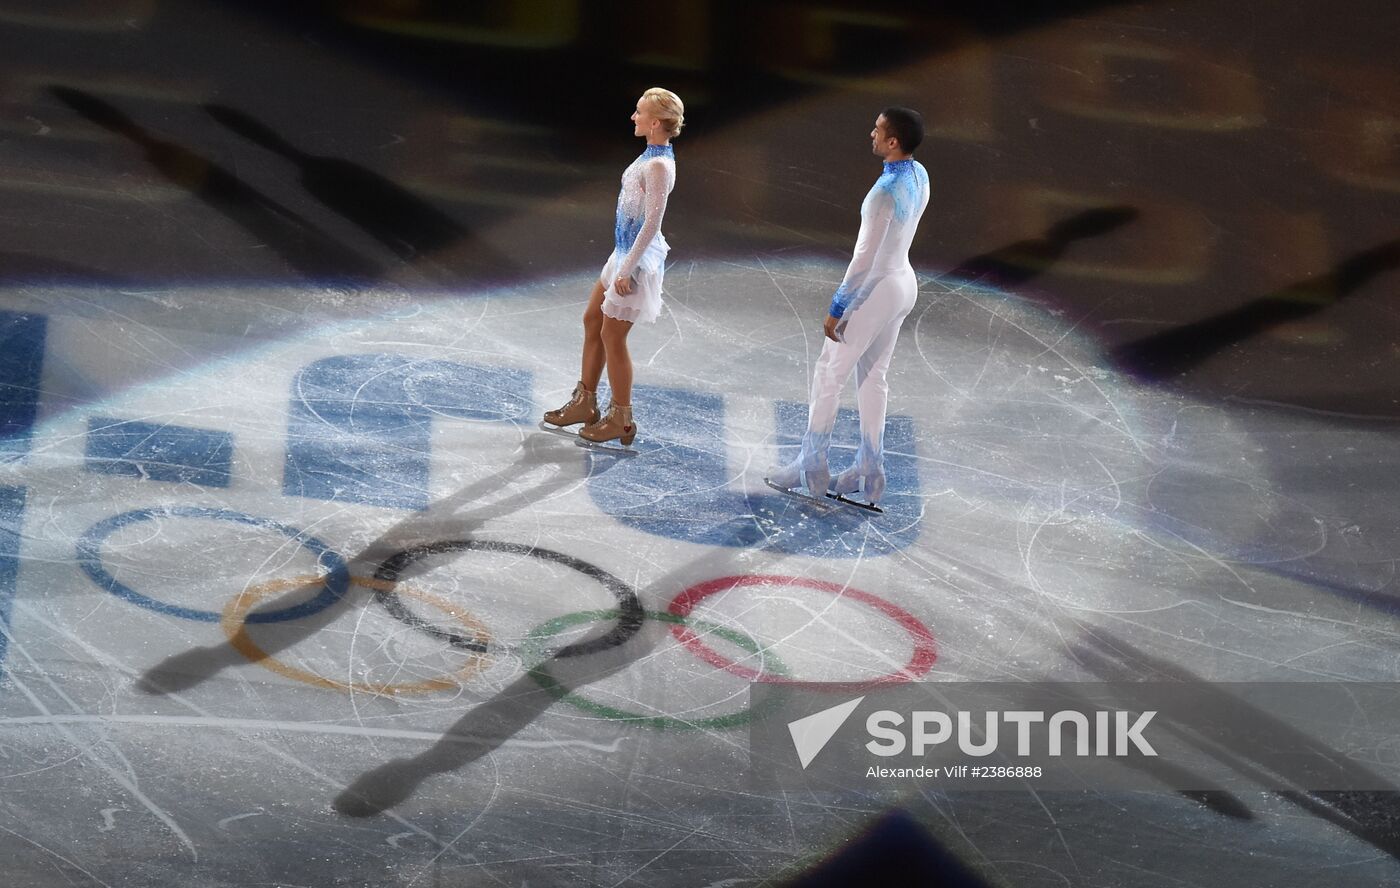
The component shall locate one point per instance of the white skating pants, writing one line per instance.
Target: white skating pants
(869, 330)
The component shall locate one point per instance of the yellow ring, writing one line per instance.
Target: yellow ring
(235, 628)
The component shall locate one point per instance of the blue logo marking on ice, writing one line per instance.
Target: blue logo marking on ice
(811, 733)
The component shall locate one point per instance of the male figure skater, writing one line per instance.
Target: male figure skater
(876, 294)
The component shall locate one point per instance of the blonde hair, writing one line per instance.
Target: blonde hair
(669, 109)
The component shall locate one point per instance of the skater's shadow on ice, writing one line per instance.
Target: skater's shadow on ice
(303, 245)
(741, 532)
(409, 226)
(1248, 740)
(1018, 263)
(1164, 356)
(485, 727)
(443, 519)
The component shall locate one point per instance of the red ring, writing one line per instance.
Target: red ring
(919, 664)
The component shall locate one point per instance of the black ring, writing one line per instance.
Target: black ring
(628, 605)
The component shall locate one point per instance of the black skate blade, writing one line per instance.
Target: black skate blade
(604, 447)
(822, 506)
(866, 507)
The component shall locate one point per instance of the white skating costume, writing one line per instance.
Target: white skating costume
(639, 249)
(876, 294)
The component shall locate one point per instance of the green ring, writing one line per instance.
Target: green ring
(540, 674)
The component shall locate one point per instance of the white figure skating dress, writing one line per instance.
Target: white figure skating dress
(639, 249)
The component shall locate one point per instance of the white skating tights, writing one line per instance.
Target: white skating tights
(871, 329)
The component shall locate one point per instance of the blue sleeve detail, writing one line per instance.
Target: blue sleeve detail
(840, 301)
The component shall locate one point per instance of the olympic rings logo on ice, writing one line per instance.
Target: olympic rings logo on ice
(385, 588)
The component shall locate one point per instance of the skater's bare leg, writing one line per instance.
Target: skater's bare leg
(594, 353)
(619, 361)
(583, 405)
(617, 422)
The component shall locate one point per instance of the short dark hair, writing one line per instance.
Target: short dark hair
(906, 125)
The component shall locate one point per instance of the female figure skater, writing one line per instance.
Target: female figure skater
(629, 288)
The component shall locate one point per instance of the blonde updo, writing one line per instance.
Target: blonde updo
(668, 109)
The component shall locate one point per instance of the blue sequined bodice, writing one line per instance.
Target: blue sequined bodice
(631, 204)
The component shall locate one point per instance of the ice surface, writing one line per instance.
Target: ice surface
(294, 592)
(1048, 506)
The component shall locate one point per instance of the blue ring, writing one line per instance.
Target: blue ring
(90, 557)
